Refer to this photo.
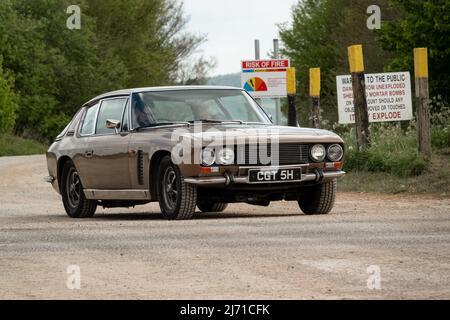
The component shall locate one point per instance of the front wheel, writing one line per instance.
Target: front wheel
(74, 200)
(318, 199)
(177, 199)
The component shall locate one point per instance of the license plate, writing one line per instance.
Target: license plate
(276, 175)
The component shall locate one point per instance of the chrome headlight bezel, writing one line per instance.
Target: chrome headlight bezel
(225, 156)
(314, 156)
(207, 157)
(335, 159)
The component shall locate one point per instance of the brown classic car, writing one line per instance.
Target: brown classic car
(189, 147)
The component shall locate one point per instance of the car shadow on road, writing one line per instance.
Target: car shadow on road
(197, 216)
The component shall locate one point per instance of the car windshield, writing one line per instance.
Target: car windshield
(213, 106)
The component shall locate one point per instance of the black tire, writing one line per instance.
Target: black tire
(209, 206)
(177, 199)
(74, 200)
(318, 199)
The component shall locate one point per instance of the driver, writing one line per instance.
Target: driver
(142, 113)
(202, 111)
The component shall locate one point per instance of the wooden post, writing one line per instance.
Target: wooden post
(356, 62)
(314, 94)
(292, 92)
(276, 55)
(257, 57)
(422, 101)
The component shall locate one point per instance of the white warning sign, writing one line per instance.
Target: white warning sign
(388, 97)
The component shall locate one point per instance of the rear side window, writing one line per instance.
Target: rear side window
(110, 110)
(89, 121)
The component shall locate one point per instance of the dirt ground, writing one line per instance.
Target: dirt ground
(244, 253)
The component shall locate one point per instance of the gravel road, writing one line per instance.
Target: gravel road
(244, 253)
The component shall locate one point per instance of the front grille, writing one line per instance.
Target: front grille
(288, 153)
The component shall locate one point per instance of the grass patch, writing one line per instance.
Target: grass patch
(15, 146)
(391, 151)
(434, 179)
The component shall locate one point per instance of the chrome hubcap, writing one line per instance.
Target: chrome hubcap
(170, 190)
(73, 188)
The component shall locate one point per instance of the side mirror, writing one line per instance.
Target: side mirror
(113, 124)
(270, 117)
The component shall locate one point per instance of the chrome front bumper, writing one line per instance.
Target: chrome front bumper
(317, 176)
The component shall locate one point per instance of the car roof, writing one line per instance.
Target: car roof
(126, 92)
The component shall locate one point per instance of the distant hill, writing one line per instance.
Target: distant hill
(231, 79)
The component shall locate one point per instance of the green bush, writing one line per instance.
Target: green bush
(392, 150)
(8, 102)
(440, 124)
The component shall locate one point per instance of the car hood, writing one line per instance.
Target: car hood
(208, 132)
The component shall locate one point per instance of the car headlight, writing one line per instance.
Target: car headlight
(318, 152)
(208, 156)
(225, 156)
(335, 152)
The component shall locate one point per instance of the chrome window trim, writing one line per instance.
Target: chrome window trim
(131, 122)
(246, 95)
(96, 118)
(99, 102)
(124, 113)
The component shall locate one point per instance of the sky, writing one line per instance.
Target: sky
(231, 27)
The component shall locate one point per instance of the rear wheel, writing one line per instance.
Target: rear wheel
(74, 200)
(318, 199)
(177, 199)
(210, 206)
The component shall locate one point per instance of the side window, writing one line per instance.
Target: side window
(89, 121)
(109, 110)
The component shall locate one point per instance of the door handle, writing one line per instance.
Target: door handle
(89, 153)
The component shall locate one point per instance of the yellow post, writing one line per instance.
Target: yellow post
(314, 82)
(421, 62)
(355, 58)
(314, 93)
(291, 92)
(422, 101)
(291, 81)
(356, 63)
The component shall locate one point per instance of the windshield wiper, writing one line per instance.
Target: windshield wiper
(217, 121)
(159, 124)
(206, 120)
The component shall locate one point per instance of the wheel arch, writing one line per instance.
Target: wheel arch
(153, 171)
(61, 162)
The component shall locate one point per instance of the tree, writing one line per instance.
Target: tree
(148, 37)
(318, 36)
(424, 24)
(120, 44)
(8, 102)
(56, 69)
